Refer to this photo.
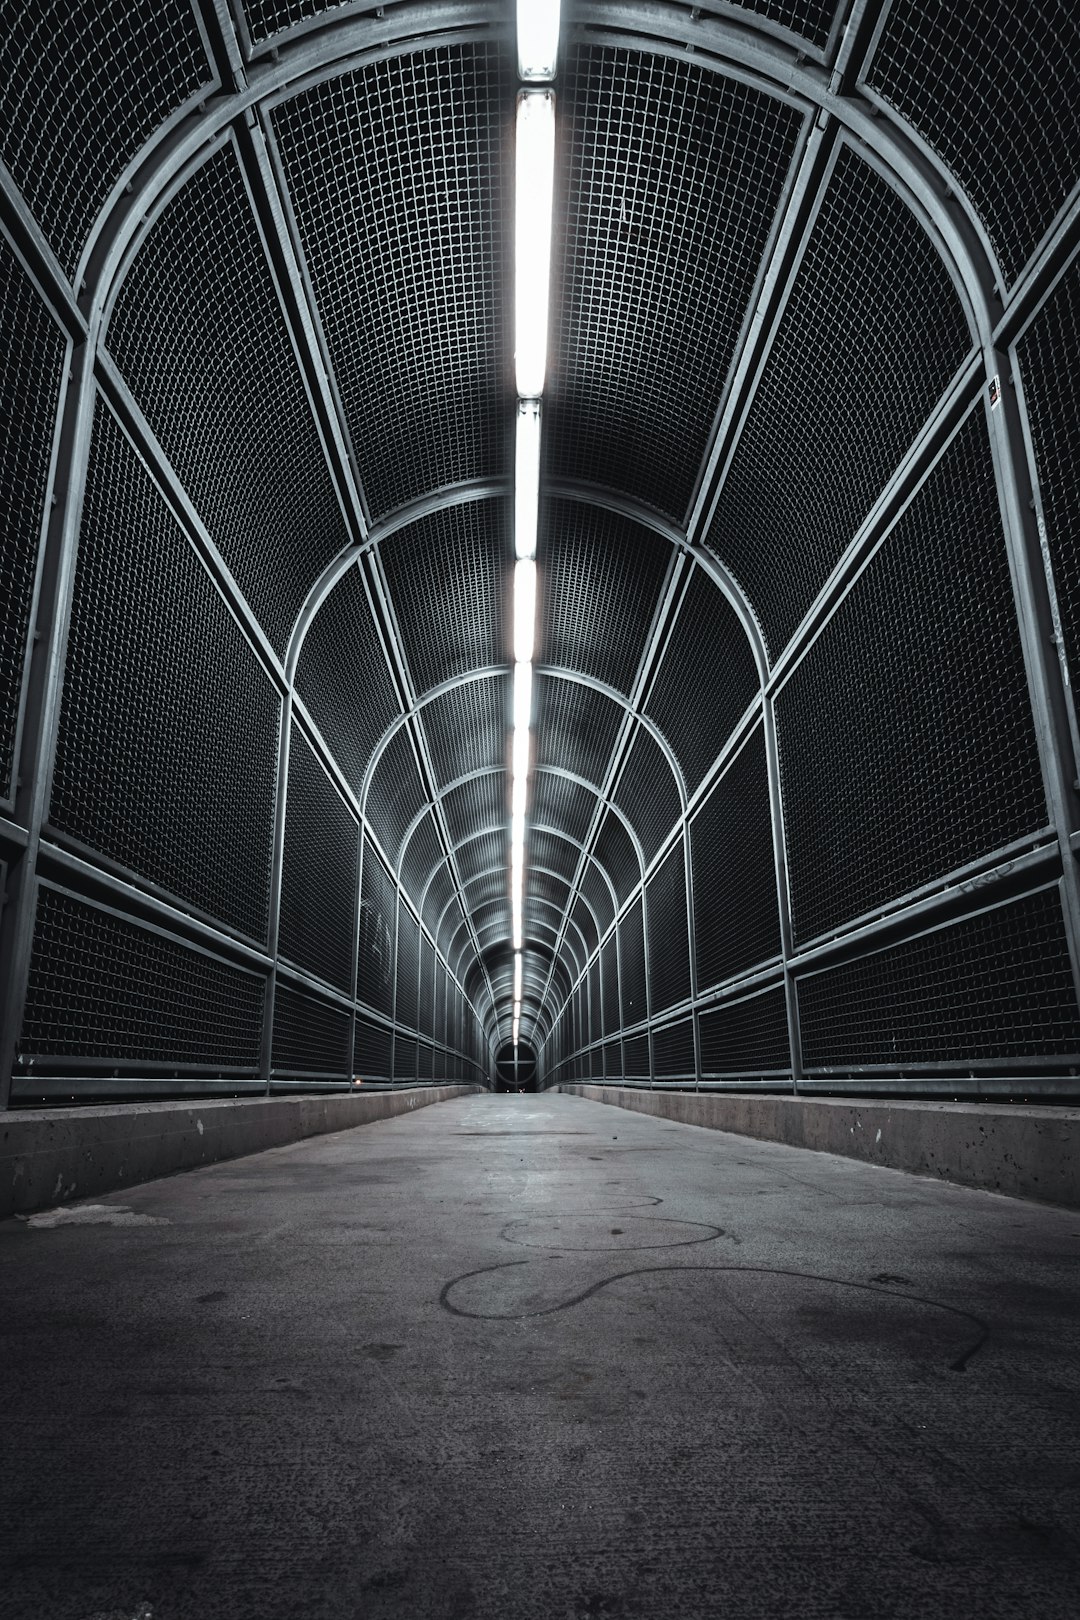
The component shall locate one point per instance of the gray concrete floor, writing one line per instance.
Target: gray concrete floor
(536, 1357)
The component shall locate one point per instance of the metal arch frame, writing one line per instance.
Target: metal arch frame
(1031, 593)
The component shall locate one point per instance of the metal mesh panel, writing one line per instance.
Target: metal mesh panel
(408, 968)
(736, 922)
(601, 577)
(85, 85)
(669, 176)
(1047, 354)
(426, 1006)
(706, 679)
(397, 173)
(438, 1023)
(615, 852)
(543, 886)
(576, 727)
(310, 1036)
(810, 18)
(420, 856)
(632, 966)
(30, 365)
(559, 803)
(371, 1053)
(556, 854)
(669, 944)
(476, 804)
(424, 1061)
(450, 925)
(168, 737)
(747, 1038)
(106, 989)
(595, 1008)
(673, 1051)
(200, 337)
(932, 758)
(482, 853)
(597, 894)
(612, 1061)
(318, 878)
(404, 1058)
(447, 576)
(439, 894)
(609, 981)
(466, 727)
(994, 87)
(872, 332)
(266, 17)
(395, 795)
(636, 1063)
(375, 970)
(994, 986)
(489, 886)
(583, 918)
(647, 793)
(343, 677)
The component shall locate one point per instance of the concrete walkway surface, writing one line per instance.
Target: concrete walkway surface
(532, 1358)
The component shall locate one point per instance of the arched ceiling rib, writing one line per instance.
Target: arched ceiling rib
(366, 221)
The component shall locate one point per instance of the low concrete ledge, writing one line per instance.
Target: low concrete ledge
(50, 1155)
(1026, 1152)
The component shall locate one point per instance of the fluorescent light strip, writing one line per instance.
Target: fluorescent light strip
(524, 612)
(537, 39)
(534, 180)
(526, 477)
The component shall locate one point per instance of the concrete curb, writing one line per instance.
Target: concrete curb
(51, 1155)
(1025, 1152)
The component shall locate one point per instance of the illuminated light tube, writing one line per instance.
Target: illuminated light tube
(537, 39)
(522, 695)
(517, 976)
(526, 477)
(524, 610)
(534, 179)
(519, 762)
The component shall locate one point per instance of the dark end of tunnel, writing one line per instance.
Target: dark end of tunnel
(516, 1068)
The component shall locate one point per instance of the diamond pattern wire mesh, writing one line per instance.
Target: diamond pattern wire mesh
(723, 681)
(994, 88)
(407, 968)
(736, 921)
(932, 753)
(598, 894)
(673, 1051)
(167, 744)
(872, 332)
(595, 1005)
(466, 728)
(318, 878)
(266, 17)
(576, 727)
(632, 966)
(586, 924)
(668, 180)
(1055, 431)
(396, 172)
(810, 18)
(343, 677)
(647, 793)
(482, 853)
(396, 794)
(669, 944)
(200, 338)
(560, 803)
(420, 856)
(601, 575)
(615, 852)
(85, 84)
(744, 1039)
(371, 1050)
(30, 365)
(447, 575)
(105, 989)
(557, 854)
(636, 1057)
(375, 969)
(426, 1004)
(609, 987)
(440, 893)
(475, 805)
(994, 986)
(404, 1058)
(310, 1035)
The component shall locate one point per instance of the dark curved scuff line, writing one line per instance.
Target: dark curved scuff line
(959, 1365)
(713, 1232)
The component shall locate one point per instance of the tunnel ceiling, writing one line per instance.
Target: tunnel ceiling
(778, 238)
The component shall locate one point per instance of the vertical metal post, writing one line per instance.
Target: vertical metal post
(277, 863)
(691, 936)
(45, 691)
(783, 891)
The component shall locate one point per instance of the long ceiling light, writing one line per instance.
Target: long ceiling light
(537, 39)
(533, 183)
(538, 47)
